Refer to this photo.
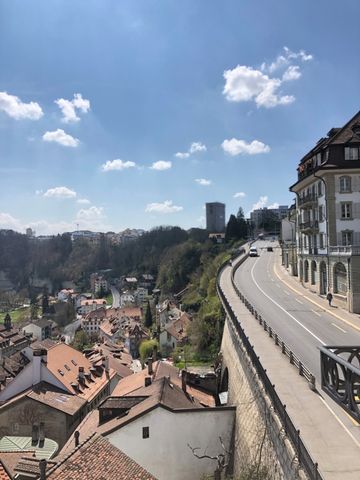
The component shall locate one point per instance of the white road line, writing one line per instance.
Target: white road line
(282, 308)
(316, 313)
(299, 301)
(337, 326)
(341, 423)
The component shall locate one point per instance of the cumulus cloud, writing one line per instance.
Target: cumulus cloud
(59, 192)
(7, 221)
(245, 83)
(42, 227)
(161, 165)
(203, 181)
(273, 205)
(182, 155)
(239, 195)
(166, 207)
(92, 213)
(69, 107)
(117, 164)
(240, 147)
(195, 147)
(261, 203)
(62, 138)
(83, 201)
(15, 108)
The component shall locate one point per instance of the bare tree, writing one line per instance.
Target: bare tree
(222, 459)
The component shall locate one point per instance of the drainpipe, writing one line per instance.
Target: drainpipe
(327, 231)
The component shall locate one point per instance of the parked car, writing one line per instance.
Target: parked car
(253, 252)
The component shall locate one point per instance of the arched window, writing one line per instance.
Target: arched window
(306, 271)
(340, 279)
(313, 272)
(345, 184)
(323, 278)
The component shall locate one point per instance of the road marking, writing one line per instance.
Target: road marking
(282, 308)
(338, 327)
(341, 423)
(316, 313)
(299, 301)
(315, 303)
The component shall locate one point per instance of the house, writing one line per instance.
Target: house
(39, 329)
(328, 215)
(65, 295)
(80, 297)
(98, 283)
(167, 311)
(163, 415)
(174, 333)
(92, 321)
(141, 294)
(119, 358)
(147, 281)
(59, 386)
(134, 335)
(11, 339)
(127, 298)
(87, 305)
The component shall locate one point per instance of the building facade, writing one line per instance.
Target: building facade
(215, 217)
(328, 215)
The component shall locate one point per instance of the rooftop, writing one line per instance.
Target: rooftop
(46, 449)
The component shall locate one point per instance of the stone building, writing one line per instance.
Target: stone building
(328, 215)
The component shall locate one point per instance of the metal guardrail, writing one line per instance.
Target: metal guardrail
(293, 434)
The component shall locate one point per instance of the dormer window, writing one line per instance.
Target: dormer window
(352, 153)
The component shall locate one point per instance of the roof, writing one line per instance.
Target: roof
(56, 398)
(93, 301)
(30, 466)
(177, 328)
(12, 365)
(64, 361)
(45, 344)
(41, 323)
(97, 459)
(24, 444)
(4, 473)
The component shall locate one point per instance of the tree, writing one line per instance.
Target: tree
(45, 302)
(148, 316)
(81, 341)
(146, 349)
(232, 229)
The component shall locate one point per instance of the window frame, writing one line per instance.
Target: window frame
(145, 432)
(347, 153)
(347, 206)
(345, 184)
(349, 236)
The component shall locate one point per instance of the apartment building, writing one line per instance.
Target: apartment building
(328, 215)
(215, 217)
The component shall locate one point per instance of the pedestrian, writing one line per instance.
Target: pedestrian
(329, 298)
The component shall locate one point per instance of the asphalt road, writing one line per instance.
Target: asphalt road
(302, 325)
(116, 297)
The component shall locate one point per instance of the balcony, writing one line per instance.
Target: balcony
(307, 200)
(311, 226)
(346, 251)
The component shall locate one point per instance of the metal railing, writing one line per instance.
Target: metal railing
(345, 250)
(304, 458)
(311, 197)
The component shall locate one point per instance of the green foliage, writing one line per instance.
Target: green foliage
(64, 313)
(236, 228)
(146, 349)
(148, 316)
(81, 341)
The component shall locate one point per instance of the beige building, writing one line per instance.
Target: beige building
(328, 215)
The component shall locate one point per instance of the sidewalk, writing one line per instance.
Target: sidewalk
(351, 319)
(330, 443)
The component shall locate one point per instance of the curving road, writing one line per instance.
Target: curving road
(301, 324)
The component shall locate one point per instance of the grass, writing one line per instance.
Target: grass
(17, 315)
(109, 299)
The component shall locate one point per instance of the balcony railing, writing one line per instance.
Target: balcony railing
(311, 225)
(307, 199)
(348, 250)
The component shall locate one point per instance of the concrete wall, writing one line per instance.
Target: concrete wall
(258, 433)
(165, 453)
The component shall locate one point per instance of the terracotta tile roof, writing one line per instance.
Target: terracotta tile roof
(97, 459)
(56, 398)
(178, 328)
(64, 361)
(30, 466)
(93, 301)
(132, 312)
(43, 344)
(4, 474)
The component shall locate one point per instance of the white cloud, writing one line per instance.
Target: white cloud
(203, 181)
(261, 203)
(161, 165)
(165, 207)
(238, 147)
(197, 147)
(239, 195)
(243, 84)
(273, 205)
(291, 73)
(59, 136)
(15, 108)
(92, 213)
(60, 192)
(182, 155)
(117, 164)
(7, 221)
(68, 107)
(83, 201)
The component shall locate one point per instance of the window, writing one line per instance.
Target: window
(319, 189)
(347, 238)
(321, 213)
(321, 240)
(346, 210)
(351, 153)
(145, 432)
(345, 184)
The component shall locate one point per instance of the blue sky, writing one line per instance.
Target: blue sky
(98, 96)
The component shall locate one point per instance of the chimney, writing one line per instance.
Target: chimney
(150, 366)
(34, 434)
(39, 355)
(81, 376)
(147, 381)
(183, 380)
(42, 468)
(154, 353)
(106, 364)
(41, 433)
(77, 438)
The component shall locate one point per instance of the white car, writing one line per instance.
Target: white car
(253, 252)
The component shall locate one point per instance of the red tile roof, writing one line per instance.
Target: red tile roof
(4, 475)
